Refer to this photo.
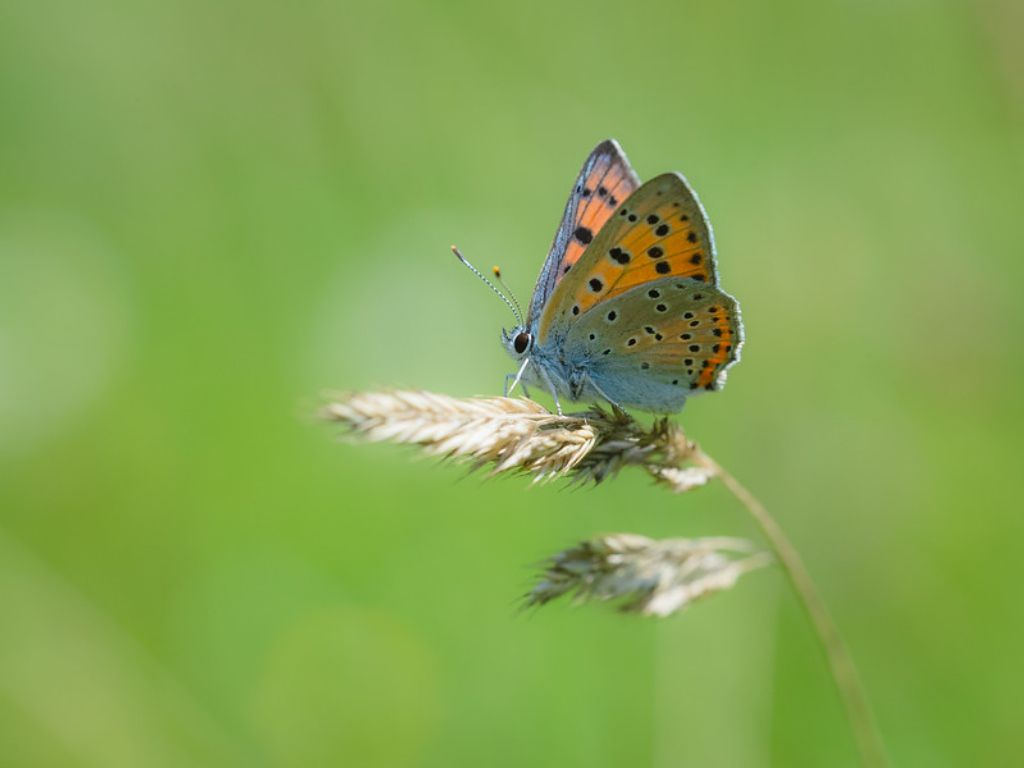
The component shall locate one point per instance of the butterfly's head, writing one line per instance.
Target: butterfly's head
(518, 342)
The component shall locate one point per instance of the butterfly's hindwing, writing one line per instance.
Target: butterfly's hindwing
(604, 182)
(670, 334)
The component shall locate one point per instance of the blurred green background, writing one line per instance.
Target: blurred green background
(212, 213)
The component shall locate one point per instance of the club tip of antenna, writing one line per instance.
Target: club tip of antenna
(497, 271)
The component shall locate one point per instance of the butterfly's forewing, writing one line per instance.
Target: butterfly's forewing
(660, 231)
(605, 180)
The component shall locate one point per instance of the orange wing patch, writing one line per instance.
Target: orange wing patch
(601, 192)
(725, 348)
(666, 244)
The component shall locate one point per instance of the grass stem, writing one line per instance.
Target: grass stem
(844, 671)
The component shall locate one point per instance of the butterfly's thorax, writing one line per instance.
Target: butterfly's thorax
(552, 366)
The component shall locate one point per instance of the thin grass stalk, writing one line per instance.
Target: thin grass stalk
(844, 671)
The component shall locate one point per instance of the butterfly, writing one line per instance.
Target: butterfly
(627, 307)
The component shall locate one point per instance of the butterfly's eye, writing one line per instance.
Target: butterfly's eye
(521, 343)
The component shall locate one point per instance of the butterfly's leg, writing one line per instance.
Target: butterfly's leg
(558, 405)
(551, 386)
(518, 376)
(615, 406)
(522, 385)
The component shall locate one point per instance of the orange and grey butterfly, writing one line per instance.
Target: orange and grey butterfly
(642, 305)
(627, 307)
(605, 181)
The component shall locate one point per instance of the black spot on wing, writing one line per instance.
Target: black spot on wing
(620, 256)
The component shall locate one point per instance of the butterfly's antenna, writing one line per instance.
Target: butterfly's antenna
(497, 276)
(514, 307)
